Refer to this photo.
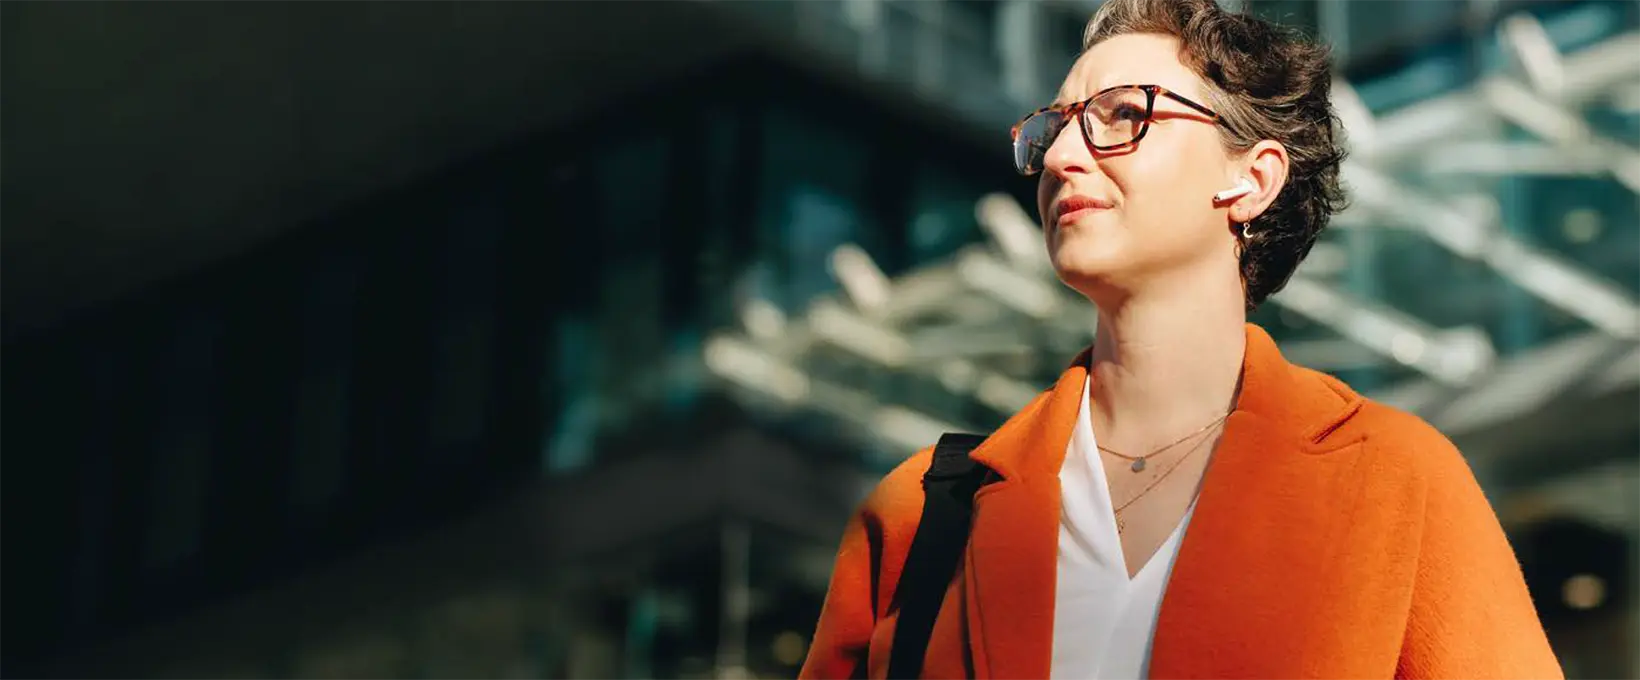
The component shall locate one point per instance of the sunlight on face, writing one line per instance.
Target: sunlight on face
(1152, 211)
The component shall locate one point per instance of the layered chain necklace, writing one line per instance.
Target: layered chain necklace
(1121, 524)
(1139, 465)
(1139, 461)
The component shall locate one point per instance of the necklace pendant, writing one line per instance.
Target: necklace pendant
(1138, 464)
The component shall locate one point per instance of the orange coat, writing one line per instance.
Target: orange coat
(1334, 537)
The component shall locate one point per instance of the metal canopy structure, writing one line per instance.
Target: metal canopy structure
(1429, 278)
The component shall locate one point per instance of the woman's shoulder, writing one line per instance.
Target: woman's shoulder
(1405, 441)
(897, 499)
(1379, 425)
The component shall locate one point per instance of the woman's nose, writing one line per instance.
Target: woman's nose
(1069, 153)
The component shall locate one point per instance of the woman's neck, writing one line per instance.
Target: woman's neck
(1162, 368)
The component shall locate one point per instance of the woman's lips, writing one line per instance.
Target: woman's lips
(1072, 208)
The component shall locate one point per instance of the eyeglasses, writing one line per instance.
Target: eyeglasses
(1111, 119)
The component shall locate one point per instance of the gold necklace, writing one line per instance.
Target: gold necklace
(1139, 461)
(1122, 525)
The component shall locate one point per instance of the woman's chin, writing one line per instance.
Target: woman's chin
(1086, 265)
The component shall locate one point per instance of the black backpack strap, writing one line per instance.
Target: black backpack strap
(942, 533)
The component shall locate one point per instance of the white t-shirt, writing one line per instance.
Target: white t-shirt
(1103, 620)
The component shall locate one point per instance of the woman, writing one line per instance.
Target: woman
(1184, 502)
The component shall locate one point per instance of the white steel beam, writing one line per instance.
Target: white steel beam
(1479, 236)
(1588, 73)
(1453, 357)
(1525, 383)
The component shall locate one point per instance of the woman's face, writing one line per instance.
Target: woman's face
(1152, 214)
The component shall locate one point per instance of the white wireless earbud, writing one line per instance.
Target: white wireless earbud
(1243, 187)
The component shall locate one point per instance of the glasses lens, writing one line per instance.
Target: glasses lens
(1116, 117)
(1036, 134)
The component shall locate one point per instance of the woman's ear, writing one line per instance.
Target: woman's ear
(1265, 165)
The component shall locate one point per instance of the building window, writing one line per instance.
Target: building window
(463, 349)
(319, 435)
(816, 223)
(571, 433)
(943, 214)
(814, 183)
(183, 453)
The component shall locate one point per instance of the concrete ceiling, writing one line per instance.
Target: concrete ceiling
(142, 140)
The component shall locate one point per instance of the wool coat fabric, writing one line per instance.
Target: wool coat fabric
(1334, 537)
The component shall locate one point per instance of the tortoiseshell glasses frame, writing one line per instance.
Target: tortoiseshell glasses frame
(1117, 120)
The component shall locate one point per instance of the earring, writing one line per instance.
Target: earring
(1247, 231)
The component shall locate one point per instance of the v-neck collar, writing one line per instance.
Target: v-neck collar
(1263, 478)
(1084, 445)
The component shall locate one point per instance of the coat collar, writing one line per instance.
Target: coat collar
(1307, 404)
(1282, 410)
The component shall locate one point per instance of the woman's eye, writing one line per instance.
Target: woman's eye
(1127, 112)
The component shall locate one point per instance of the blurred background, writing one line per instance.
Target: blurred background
(559, 339)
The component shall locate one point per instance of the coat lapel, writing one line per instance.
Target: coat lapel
(1238, 584)
(1014, 545)
(1245, 590)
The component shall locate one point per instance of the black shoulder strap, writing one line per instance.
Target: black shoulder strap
(942, 533)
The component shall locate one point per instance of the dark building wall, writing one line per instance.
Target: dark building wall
(439, 343)
(149, 140)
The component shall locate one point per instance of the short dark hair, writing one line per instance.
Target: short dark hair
(1268, 82)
